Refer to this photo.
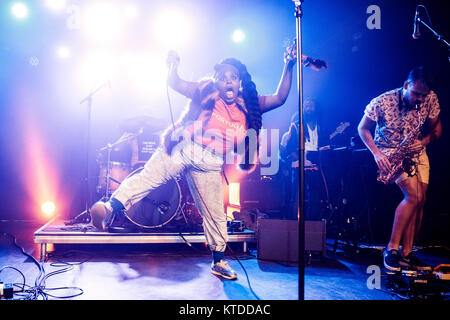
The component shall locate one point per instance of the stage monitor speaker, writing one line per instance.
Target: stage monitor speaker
(278, 239)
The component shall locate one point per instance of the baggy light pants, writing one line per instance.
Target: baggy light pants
(203, 174)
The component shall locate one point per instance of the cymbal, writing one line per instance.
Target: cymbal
(149, 124)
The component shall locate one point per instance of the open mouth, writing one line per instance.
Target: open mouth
(229, 93)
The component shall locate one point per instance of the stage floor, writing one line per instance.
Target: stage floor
(57, 232)
(176, 271)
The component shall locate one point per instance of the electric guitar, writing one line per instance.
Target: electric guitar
(339, 129)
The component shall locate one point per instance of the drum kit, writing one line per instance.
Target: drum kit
(170, 204)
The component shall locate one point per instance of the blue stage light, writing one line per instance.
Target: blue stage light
(238, 36)
(19, 10)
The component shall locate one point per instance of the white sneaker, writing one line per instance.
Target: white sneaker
(222, 269)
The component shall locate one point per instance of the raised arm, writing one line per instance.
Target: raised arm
(277, 99)
(186, 88)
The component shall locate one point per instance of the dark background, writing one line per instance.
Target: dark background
(43, 130)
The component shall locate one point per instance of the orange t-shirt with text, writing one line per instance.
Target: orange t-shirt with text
(221, 129)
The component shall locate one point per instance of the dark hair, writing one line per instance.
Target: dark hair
(423, 74)
(249, 94)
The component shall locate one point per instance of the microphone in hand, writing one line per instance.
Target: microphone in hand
(173, 60)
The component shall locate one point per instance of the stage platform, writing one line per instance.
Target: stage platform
(57, 232)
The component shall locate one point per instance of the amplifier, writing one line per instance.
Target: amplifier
(265, 194)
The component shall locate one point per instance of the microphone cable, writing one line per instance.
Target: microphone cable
(39, 289)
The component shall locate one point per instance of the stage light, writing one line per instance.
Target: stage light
(238, 36)
(63, 52)
(103, 22)
(234, 191)
(19, 10)
(55, 5)
(48, 208)
(230, 212)
(172, 28)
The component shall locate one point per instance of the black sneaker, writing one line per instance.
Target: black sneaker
(391, 260)
(416, 263)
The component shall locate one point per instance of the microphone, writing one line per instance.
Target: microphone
(416, 33)
(172, 60)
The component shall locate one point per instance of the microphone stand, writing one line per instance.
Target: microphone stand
(438, 36)
(301, 211)
(85, 216)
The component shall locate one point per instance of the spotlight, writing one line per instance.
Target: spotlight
(238, 36)
(55, 5)
(234, 193)
(48, 208)
(63, 52)
(19, 10)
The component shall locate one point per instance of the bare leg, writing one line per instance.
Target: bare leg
(420, 215)
(414, 226)
(406, 214)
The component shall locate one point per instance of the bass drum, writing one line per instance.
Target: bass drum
(158, 208)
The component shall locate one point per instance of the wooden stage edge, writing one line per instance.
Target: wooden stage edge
(56, 232)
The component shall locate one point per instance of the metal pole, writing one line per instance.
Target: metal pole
(301, 211)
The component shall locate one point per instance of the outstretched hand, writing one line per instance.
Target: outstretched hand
(290, 55)
(173, 59)
(290, 58)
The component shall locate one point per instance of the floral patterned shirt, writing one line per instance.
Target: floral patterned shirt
(394, 121)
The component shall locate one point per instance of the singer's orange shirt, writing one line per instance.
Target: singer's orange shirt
(220, 129)
(224, 127)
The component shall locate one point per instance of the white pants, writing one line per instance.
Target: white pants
(203, 174)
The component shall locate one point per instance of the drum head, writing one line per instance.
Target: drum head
(158, 208)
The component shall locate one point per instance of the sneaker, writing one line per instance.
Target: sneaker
(222, 269)
(101, 214)
(391, 260)
(416, 263)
